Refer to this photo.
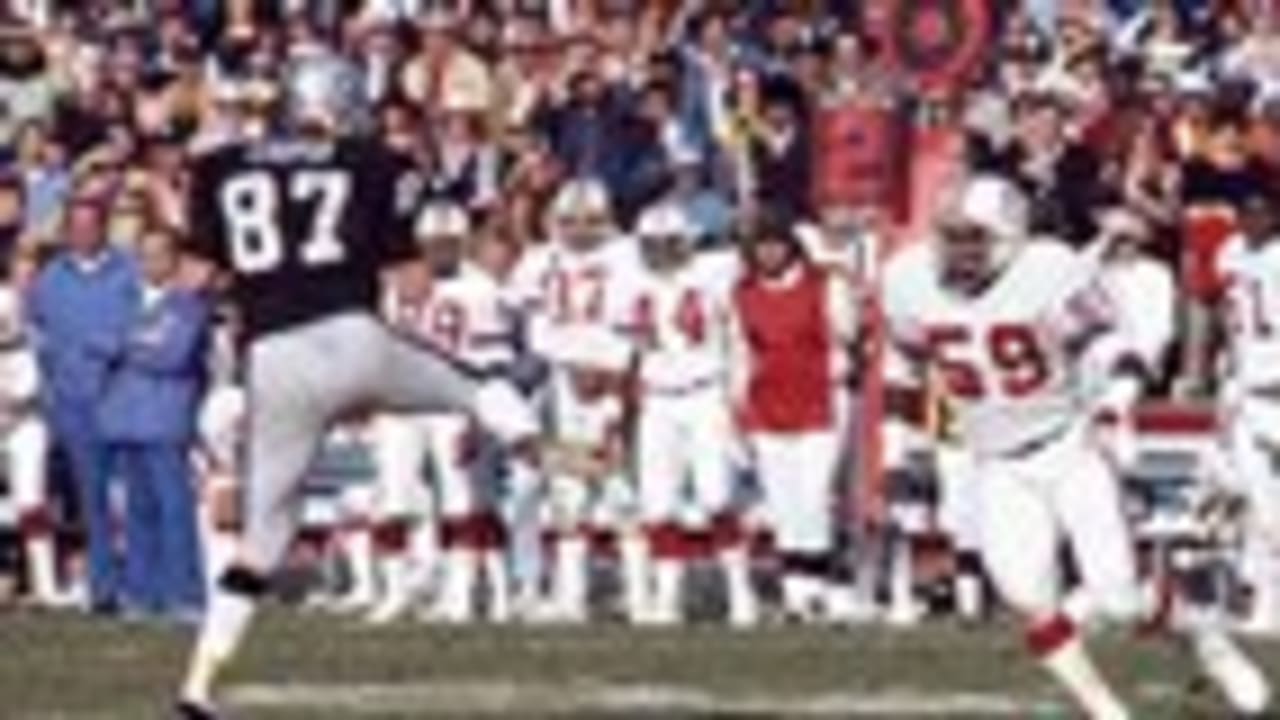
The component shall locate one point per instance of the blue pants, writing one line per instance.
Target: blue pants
(162, 566)
(77, 433)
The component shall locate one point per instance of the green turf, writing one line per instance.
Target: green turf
(58, 666)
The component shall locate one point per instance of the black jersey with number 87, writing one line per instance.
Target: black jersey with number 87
(304, 227)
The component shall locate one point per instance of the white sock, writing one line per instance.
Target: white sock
(736, 567)
(393, 566)
(570, 581)
(1224, 662)
(459, 583)
(498, 583)
(424, 553)
(225, 624)
(357, 546)
(219, 548)
(42, 570)
(634, 557)
(668, 577)
(1071, 666)
(902, 595)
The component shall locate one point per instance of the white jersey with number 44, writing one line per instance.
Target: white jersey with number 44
(1008, 357)
(1251, 279)
(679, 322)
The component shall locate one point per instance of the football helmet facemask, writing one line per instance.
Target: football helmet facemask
(980, 232)
(442, 230)
(666, 237)
(581, 215)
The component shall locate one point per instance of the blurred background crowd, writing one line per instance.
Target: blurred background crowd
(1156, 122)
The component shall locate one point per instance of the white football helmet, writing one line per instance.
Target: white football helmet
(666, 236)
(441, 219)
(441, 230)
(581, 215)
(982, 229)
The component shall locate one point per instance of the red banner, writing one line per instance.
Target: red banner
(863, 158)
(938, 44)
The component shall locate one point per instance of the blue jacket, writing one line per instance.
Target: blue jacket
(153, 393)
(80, 317)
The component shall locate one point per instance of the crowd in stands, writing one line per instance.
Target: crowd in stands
(1153, 123)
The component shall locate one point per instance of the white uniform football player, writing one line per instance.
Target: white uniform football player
(25, 440)
(569, 283)
(676, 309)
(1018, 330)
(589, 494)
(565, 289)
(1249, 266)
(464, 314)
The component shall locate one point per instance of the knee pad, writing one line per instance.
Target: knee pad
(1047, 636)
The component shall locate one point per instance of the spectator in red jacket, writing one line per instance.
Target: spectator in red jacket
(793, 322)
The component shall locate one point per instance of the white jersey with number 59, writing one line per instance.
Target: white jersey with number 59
(679, 322)
(1008, 357)
(1251, 279)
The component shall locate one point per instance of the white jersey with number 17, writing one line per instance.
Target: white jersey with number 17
(564, 290)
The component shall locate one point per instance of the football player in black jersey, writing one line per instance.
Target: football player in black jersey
(304, 226)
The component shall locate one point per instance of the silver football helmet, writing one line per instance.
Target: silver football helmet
(581, 214)
(324, 91)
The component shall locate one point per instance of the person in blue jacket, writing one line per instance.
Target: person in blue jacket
(148, 418)
(79, 308)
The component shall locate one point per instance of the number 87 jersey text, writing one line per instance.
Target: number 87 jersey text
(303, 225)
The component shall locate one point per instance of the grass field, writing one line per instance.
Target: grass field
(321, 668)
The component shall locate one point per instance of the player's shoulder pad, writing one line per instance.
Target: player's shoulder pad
(1270, 252)
(907, 277)
(1047, 251)
(909, 264)
(719, 263)
(534, 258)
(1050, 259)
(623, 251)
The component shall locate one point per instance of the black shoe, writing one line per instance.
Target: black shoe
(187, 710)
(105, 609)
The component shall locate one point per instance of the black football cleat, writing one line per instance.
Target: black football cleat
(187, 710)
